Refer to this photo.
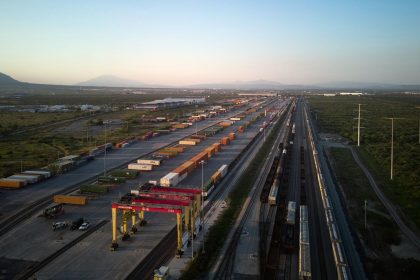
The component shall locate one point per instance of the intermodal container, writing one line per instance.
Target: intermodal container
(232, 136)
(216, 177)
(97, 189)
(110, 179)
(163, 154)
(223, 170)
(130, 174)
(180, 125)
(217, 147)
(178, 148)
(235, 119)
(197, 136)
(170, 179)
(186, 167)
(225, 124)
(12, 183)
(199, 157)
(224, 141)
(37, 176)
(210, 151)
(142, 167)
(155, 162)
(45, 173)
(187, 142)
(27, 179)
(68, 199)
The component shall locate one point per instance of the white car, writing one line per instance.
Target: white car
(84, 226)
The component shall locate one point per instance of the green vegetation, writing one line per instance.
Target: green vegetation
(336, 115)
(381, 231)
(218, 232)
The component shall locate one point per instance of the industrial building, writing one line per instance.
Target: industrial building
(169, 103)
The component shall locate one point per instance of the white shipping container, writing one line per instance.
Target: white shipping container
(135, 192)
(182, 177)
(149, 161)
(291, 206)
(170, 179)
(291, 216)
(223, 170)
(27, 179)
(46, 174)
(185, 142)
(142, 167)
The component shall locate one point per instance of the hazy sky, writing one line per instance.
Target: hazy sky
(185, 42)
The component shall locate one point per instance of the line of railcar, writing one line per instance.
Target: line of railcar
(304, 245)
(342, 267)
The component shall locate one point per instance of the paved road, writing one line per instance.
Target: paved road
(414, 238)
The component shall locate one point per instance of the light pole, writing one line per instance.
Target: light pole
(202, 203)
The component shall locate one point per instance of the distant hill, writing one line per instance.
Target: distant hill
(6, 80)
(366, 85)
(252, 85)
(112, 81)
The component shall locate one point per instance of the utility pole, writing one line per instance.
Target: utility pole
(358, 128)
(358, 125)
(192, 237)
(365, 214)
(392, 146)
(202, 203)
(418, 107)
(105, 153)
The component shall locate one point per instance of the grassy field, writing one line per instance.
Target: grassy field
(381, 232)
(336, 115)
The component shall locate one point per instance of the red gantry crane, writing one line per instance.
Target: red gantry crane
(159, 199)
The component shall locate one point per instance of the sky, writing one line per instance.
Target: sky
(192, 42)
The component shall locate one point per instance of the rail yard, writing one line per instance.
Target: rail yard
(141, 208)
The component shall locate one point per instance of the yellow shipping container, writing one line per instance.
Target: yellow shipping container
(16, 184)
(216, 177)
(68, 199)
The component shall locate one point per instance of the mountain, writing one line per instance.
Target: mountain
(112, 81)
(6, 80)
(366, 85)
(252, 85)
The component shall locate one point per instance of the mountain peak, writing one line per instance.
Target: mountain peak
(7, 80)
(111, 81)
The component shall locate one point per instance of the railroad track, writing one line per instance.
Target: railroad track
(161, 254)
(35, 268)
(225, 265)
